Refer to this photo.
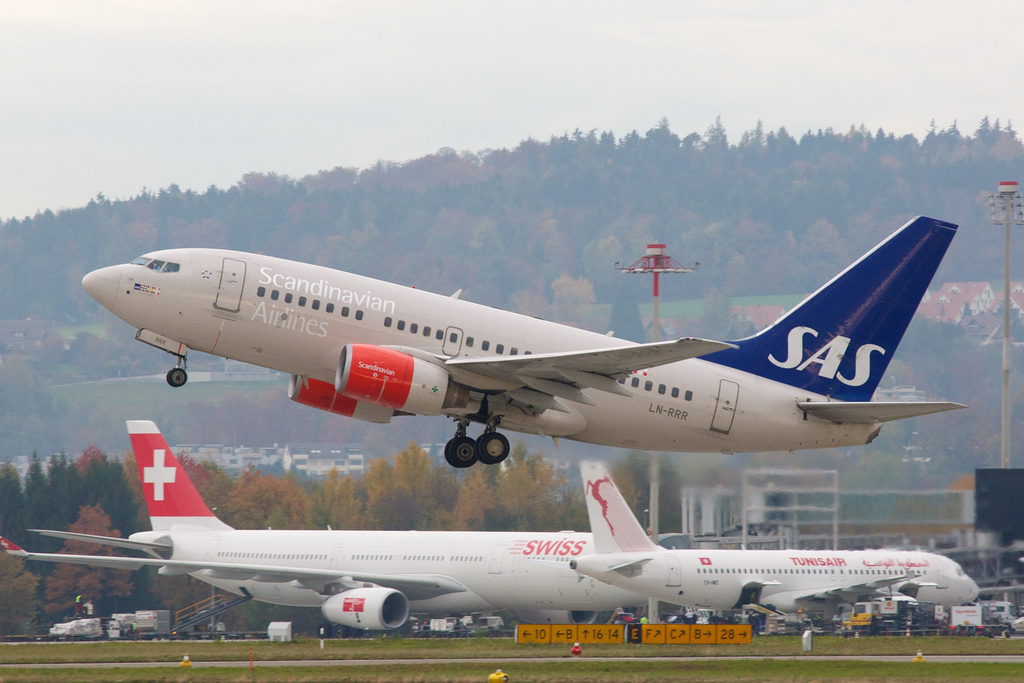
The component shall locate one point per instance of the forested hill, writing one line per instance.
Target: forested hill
(768, 212)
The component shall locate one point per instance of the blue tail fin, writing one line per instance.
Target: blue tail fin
(839, 341)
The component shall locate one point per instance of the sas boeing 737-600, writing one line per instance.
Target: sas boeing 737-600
(372, 350)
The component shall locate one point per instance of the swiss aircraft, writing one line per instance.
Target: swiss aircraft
(359, 579)
(782, 580)
(374, 350)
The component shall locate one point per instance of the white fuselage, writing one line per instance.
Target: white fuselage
(716, 579)
(514, 570)
(297, 317)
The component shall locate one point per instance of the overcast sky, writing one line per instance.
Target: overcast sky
(114, 96)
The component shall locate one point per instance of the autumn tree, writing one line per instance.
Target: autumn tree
(384, 507)
(259, 501)
(99, 584)
(17, 594)
(334, 502)
(475, 502)
(571, 297)
(529, 493)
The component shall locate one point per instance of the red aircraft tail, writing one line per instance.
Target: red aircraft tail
(170, 496)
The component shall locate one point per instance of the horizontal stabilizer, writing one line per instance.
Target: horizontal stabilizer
(871, 412)
(103, 540)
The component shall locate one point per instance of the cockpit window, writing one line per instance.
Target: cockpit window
(156, 265)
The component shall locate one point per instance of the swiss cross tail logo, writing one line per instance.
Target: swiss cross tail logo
(158, 475)
(828, 357)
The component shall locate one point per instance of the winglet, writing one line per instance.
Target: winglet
(613, 524)
(12, 547)
(170, 496)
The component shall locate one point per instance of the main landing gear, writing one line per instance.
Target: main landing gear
(490, 448)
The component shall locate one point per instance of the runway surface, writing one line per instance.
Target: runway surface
(999, 659)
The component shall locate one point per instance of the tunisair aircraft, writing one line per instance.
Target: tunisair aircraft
(783, 580)
(373, 350)
(359, 579)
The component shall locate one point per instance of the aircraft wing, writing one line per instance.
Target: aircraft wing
(849, 592)
(415, 586)
(565, 374)
(871, 412)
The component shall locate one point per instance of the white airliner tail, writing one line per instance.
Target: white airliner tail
(613, 524)
(171, 498)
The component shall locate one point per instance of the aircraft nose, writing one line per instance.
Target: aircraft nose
(103, 284)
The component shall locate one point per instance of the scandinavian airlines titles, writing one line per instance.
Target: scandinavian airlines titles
(288, 318)
(325, 289)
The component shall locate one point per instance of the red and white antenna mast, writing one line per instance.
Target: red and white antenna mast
(656, 262)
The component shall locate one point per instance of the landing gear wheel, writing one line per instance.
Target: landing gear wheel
(460, 452)
(177, 377)
(492, 448)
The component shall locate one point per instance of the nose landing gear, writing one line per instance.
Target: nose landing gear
(177, 376)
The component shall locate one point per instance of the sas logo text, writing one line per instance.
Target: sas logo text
(828, 357)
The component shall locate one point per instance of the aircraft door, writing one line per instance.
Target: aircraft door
(496, 558)
(232, 279)
(452, 341)
(674, 572)
(336, 555)
(725, 408)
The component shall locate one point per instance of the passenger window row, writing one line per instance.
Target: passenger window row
(275, 295)
(414, 328)
(649, 386)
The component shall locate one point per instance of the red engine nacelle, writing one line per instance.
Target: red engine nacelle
(321, 395)
(375, 608)
(386, 377)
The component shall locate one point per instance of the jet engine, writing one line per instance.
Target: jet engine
(321, 395)
(391, 378)
(375, 608)
(556, 616)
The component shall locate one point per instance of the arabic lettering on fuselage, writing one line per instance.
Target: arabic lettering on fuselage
(896, 562)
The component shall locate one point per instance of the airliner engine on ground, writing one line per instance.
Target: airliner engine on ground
(785, 580)
(371, 350)
(360, 579)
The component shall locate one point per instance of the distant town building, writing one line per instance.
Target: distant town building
(909, 394)
(317, 459)
(232, 460)
(23, 337)
(758, 316)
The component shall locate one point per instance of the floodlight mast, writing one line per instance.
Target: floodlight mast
(1006, 207)
(655, 261)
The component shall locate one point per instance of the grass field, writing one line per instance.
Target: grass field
(640, 663)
